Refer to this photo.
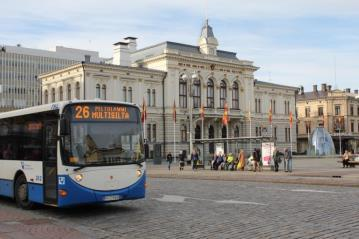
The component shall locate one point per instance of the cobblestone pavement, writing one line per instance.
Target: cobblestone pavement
(185, 208)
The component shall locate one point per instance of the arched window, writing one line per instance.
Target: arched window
(183, 93)
(53, 95)
(153, 97)
(224, 135)
(236, 131)
(77, 92)
(222, 94)
(184, 133)
(98, 91)
(211, 136)
(129, 94)
(104, 92)
(61, 93)
(124, 93)
(197, 132)
(210, 94)
(196, 93)
(68, 92)
(235, 96)
(46, 97)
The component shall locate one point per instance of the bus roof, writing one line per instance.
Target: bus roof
(55, 106)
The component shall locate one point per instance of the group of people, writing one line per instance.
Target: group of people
(238, 162)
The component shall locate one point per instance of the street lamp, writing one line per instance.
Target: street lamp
(189, 82)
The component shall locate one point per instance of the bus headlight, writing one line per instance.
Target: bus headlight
(79, 177)
(139, 172)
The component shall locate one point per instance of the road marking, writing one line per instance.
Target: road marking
(182, 199)
(311, 191)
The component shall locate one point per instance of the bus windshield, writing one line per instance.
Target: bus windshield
(104, 141)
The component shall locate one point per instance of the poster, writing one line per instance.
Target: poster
(267, 152)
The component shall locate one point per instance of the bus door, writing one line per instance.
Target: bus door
(50, 162)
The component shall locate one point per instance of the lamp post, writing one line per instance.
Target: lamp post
(189, 81)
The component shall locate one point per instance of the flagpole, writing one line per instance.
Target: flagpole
(174, 140)
(250, 128)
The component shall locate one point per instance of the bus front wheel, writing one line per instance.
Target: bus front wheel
(21, 193)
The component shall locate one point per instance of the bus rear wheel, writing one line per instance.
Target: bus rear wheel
(21, 193)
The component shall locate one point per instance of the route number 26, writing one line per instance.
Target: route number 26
(82, 112)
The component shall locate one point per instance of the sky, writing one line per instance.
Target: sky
(297, 43)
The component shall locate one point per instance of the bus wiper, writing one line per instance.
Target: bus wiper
(86, 165)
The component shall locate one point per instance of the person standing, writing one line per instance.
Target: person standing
(194, 159)
(242, 160)
(285, 161)
(288, 160)
(182, 160)
(346, 158)
(169, 160)
(276, 159)
(255, 160)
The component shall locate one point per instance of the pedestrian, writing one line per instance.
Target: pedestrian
(287, 160)
(242, 160)
(182, 160)
(169, 160)
(255, 160)
(346, 158)
(194, 159)
(276, 159)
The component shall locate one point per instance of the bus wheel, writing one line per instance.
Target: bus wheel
(21, 193)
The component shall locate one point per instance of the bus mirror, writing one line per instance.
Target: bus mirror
(64, 127)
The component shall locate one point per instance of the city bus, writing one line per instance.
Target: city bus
(72, 153)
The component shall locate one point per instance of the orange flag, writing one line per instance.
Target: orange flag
(225, 115)
(201, 111)
(144, 111)
(270, 115)
(174, 113)
(290, 119)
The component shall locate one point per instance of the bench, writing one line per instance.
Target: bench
(351, 163)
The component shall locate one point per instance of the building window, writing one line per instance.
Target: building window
(320, 111)
(153, 97)
(272, 106)
(183, 93)
(197, 132)
(53, 95)
(358, 111)
(352, 126)
(351, 110)
(308, 128)
(258, 108)
(236, 131)
(104, 92)
(46, 97)
(183, 133)
(258, 131)
(275, 133)
(98, 91)
(124, 94)
(197, 93)
(69, 92)
(154, 134)
(222, 94)
(210, 94)
(148, 132)
(307, 112)
(130, 94)
(337, 110)
(149, 97)
(61, 93)
(77, 90)
(286, 107)
(235, 96)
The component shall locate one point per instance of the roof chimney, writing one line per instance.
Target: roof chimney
(329, 88)
(87, 58)
(121, 54)
(132, 44)
(356, 92)
(324, 87)
(347, 90)
(315, 88)
(302, 90)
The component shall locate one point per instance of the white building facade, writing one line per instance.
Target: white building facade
(19, 68)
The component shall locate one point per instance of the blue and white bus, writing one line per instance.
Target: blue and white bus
(71, 153)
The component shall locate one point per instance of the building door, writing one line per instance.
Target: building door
(50, 162)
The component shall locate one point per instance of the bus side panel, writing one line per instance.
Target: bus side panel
(36, 192)
(6, 188)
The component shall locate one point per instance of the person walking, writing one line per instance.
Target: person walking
(182, 160)
(255, 160)
(194, 159)
(276, 159)
(169, 160)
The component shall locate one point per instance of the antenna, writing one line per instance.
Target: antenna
(335, 73)
(206, 9)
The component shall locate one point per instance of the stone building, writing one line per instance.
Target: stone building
(335, 110)
(190, 76)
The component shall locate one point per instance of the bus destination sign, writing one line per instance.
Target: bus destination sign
(102, 112)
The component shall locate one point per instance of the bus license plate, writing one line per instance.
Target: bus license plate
(112, 198)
